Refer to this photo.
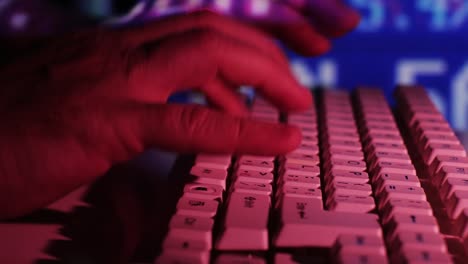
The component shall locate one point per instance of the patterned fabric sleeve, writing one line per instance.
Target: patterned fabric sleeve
(42, 17)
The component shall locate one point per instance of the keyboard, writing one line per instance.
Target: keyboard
(368, 184)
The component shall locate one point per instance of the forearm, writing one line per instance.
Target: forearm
(12, 187)
(35, 173)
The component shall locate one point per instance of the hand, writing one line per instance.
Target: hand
(81, 103)
(306, 26)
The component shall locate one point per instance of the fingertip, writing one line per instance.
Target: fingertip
(316, 48)
(354, 18)
(323, 46)
(302, 102)
(351, 21)
(348, 22)
(265, 138)
(291, 137)
(307, 100)
(304, 39)
(313, 47)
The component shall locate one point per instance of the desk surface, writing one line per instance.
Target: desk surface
(121, 217)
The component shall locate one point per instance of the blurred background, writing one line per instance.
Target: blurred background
(398, 41)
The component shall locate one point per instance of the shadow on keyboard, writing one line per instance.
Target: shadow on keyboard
(125, 218)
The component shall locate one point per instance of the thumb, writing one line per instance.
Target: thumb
(191, 128)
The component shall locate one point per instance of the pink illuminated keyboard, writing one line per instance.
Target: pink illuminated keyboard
(367, 185)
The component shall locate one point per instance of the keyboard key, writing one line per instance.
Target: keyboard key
(350, 203)
(380, 115)
(299, 192)
(285, 258)
(372, 138)
(344, 155)
(252, 188)
(352, 165)
(360, 258)
(336, 135)
(311, 133)
(415, 116)
(401, 222)
(293, 118)
(435, 149)
(347, 176)
(185, 244)
(291, 179)
(382, 156)
(409, 240)
(438, 139)
(304, 226)
(183, 256)
(239, 259)
(254, 164)
(197, 207)
(396, 179)
(421, 129)
(213, 161)
(306, 148)
(338, 115)
(392, 167)
(360, 244)
(203, 191)
(423, 256)
(400, 191)
(209, 175)
(385, 147)
(298, 169)
(246, 217)
(408, 206)
(431, 124)
(461, 224)
(330, 121)
(348, 188)
(456, 203)
(343, 145)
(452, 184)
(381, 127)
(306, 125)
(440, 161)
(449, 172)
(260, 158)
(254, 176)
(302, 159)
(193, 228)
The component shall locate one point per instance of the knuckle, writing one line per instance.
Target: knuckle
(208, 39)
(195, 119)
(207, 35)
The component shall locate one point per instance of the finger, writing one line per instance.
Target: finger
(224, 96)
(288, 24)
(195, 58)
(193, 129)
(202, 20)
(331, 18)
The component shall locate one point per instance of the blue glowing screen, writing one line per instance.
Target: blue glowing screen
(420, 41)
